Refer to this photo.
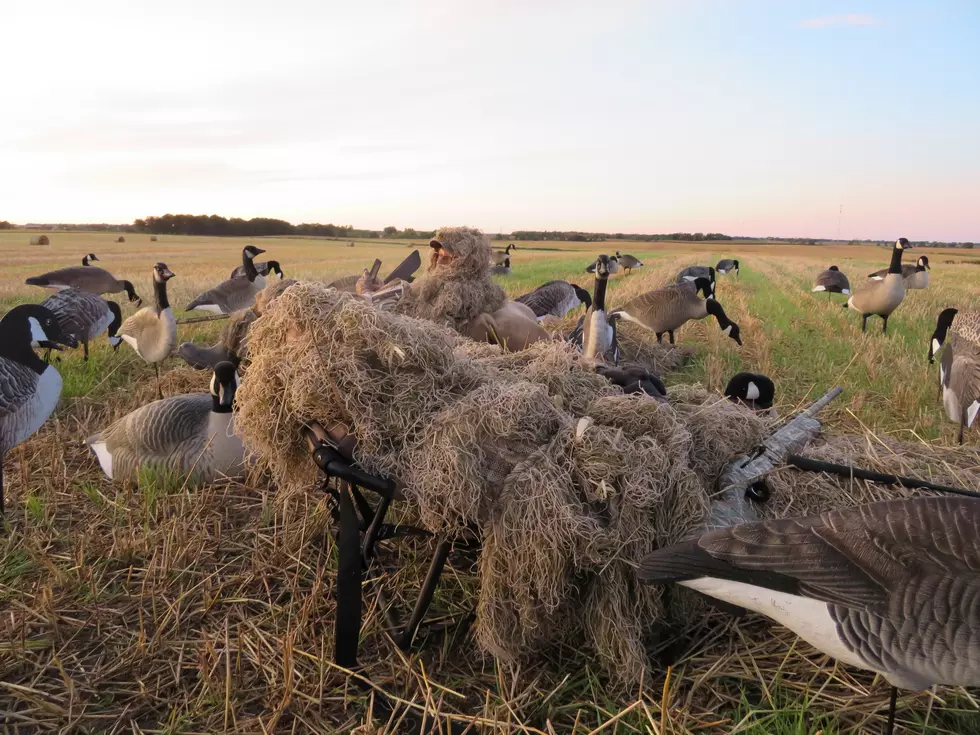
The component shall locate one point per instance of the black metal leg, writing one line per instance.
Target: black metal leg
(884, 328)
(156, 367)
(349, 580)
(890, 728)
(85, 349)
(425, 595)
(671, 333)
(864, 322)
(371, 535)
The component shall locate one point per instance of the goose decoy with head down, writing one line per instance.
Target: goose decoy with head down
(628, 262)
(152, 331)
(555, 298)
(892, 587)
(190, 436)
(754, 390)
(666, 309)
(915, 276)
(693, 272)
(89, 278)
(29, 387)
(270, 268)
(234, 294)
(727, 266)
(85, 316)
(832, 281)
(882, 297)
(959, 369)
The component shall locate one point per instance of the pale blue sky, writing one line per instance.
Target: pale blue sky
(741, 117)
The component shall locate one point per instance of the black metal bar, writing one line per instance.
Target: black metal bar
(816, 465)
(363, 507)
(371, 535)
(349, 580)
(425, 595)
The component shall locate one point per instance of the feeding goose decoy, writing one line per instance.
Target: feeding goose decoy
(85, 316)
(29, 387)
(665, 310)
(88, 278)
(628, 262)
(86, 259)
(832, 281)
(230, 346)
(264, 269)
(597, 330)
(234, 294)
(693, 272)
(959, 369)
(727, 266)
(891, 587)
(503, 269)
(555, 298)
(882, 297)
(633, 380)
(612, 265)
(190, 436)
(152, 331)
(498, 256)
(754, 390)
(915, 276)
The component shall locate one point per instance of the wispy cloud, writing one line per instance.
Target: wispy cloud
(851, 19)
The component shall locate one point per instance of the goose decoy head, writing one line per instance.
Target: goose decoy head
(161, 273)
(924, 261)
(275, 268)
(131, 293)
(35, 324)
(224, 383)
(584, 296)
(602, 265)
(902, 244)
(943, 324)
(727, 325)
(114, 339)
(251, 251)
(89, 258)
(705, 287)
(754, 389)
(833, 268)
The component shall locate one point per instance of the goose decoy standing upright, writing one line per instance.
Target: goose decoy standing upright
(612, 265)
(29, 387)
(497, 256)
(891, 587)
(727, 266)
(754, 390)
(555, 298)
(88, 278)
(628, 262)
(665, 310)
(959, 369)
(191, 435)
(882, 297)
(693, 272)
(85, 316)
(598, 329)
(152, 331)
(86, 259)
(234, 294)
(264, 268)
(832, 281)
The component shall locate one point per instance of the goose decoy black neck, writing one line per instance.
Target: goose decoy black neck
(601, 281)
(161, 274)
(943, 323)
(833, 268)
(753, 389)
(224, 383)
(131, 293)
(584, 296)
(89, 258)
(727, 325)
(705, 287)
(248, 255)
(27, 324)
(114, 339)
(901, 245)
(274, 267)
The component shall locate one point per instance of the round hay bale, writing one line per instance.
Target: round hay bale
(120, 239)
(153, 238)
(40, 240)
(350, 244)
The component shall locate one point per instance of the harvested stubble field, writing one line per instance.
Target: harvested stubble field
(168, 610)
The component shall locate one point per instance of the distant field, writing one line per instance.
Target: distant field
(175, 592)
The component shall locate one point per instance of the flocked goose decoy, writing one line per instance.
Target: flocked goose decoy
(882, 297)
(959, 369)
(85, 316)
(753, 390)
(188, 436)
(234, 294)
(271, 267)
(498, 256)
(555, 298)
(693, 272)
(503, 269)
(915, 276)
(832, 281)
(86, 259)
(152, 331)
(665, 310)
(598, 328)
(29, 387)
(612, 265)
(88, 278)
(727, 266)
(628, 262)
(892, 587)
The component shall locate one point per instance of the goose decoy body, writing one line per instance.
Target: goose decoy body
(598, 328)
(612, 265)
(86, 259)
(665, 310)
(503, 269)
(497, 256)
(555, 298)
(85, 316)
(693, 272)
(230, 346)
(882, 297)
(751, 389)
(892, 587)
(633, 380)
(628, 262)
(959, 369)
(234, 294)
(832, 281)
(271, 267)
(727, 266)
(915, 276)
(190, 436)
(152, 331)
(89, 278)
(29, 387)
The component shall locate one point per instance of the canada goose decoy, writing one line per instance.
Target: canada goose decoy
(959, 369)
(612, 266)
(88, 278)
(915, 276)
(86, 259)
(628, 262)
(503, 269)
(881, 297)
(598, 330)
(753, 390)
(890, 586)
(666, 309)
(85, 316)
(230, 346)
(152, 331)
(693, 272)
(29, 387)
(190, 435)
(832, 281)
(263, 268)
(498, 256)
(555, 298)
(634, 380)
(727, 266)
(234, 294)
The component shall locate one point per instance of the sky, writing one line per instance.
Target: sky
(783, 118)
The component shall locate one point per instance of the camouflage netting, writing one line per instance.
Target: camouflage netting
(568, 481)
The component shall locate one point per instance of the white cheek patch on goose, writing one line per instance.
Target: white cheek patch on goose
(727, 330)
(846, 291)
(971, 412)
(115, 341)
(37, 331)
(935, 345)
(819, 288)
(752, 392)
